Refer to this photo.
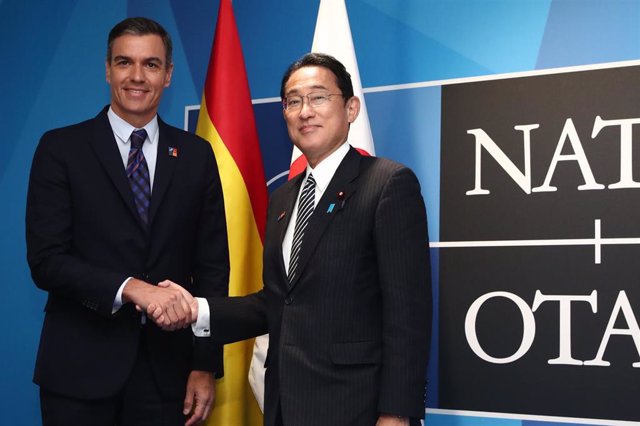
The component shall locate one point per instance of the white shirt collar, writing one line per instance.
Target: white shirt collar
(123, 130)
(324, 170)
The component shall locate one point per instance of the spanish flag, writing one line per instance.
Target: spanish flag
(226, 120)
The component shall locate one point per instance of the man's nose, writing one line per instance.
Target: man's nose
(137, 73)
(306, 110)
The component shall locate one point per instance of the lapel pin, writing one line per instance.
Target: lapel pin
(341, 199)
(173, 152)
(282, 215)
(331, 206)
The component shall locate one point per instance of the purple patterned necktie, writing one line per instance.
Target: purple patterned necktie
(138, 174)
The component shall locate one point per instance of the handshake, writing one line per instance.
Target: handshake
(168, 304)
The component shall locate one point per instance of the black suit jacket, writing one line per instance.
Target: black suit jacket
(84, 238)
(350, 338)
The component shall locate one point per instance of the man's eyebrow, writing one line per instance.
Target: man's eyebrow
(312, 88)
(146, 60)
(120, 58)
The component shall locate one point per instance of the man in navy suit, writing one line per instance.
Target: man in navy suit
(116, 205)
(347, 301)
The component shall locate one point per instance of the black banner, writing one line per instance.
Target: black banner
(540, 237)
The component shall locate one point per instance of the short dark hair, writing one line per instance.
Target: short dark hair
(140, 26)
(343, 78)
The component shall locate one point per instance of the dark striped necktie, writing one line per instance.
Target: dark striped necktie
(138, 174)
(305, 209)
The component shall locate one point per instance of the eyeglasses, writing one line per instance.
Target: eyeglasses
(315, 99)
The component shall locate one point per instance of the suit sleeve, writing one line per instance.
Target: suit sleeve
(404, 269)
(54, 267)
(238, 318)
(211, 262)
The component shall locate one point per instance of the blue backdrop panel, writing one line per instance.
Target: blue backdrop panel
(411, 115)
(450, 420)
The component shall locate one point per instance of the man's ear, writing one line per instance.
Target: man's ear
(353, 108)
(107, 71)
(167, 77)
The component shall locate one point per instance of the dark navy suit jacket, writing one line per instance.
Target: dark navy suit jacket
(84, 238)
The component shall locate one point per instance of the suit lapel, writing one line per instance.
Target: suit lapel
(289, 202)
(106, 148)
(341, 187)
(284, 215)
(165, 167)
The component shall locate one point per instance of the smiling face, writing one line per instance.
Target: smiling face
(318, 131)
(138, 74)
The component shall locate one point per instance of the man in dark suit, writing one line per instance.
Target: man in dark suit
(117, 204)
(347, 300)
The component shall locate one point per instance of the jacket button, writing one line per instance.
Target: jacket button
(288, 300)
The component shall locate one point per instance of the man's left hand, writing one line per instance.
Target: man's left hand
(389, 420)
(201, 392)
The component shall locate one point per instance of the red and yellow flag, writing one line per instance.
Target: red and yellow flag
(226, 120)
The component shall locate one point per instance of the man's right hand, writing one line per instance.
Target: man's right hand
(162, 318)
(170, 304)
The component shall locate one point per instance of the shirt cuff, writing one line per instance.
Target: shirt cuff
(117, 302)
(202, 326)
